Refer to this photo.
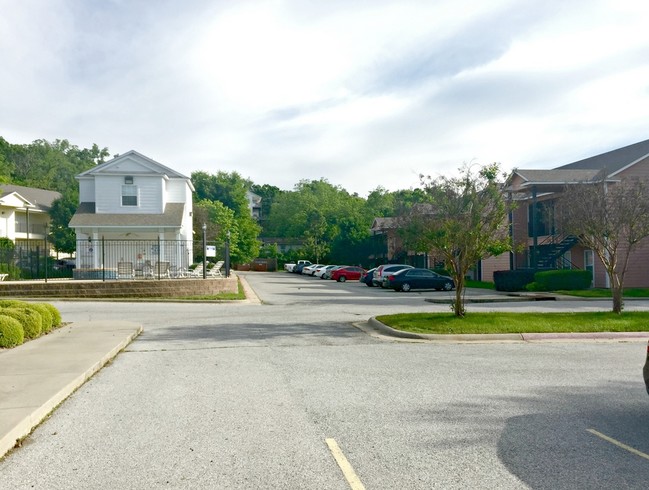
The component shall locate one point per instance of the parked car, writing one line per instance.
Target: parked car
(366, 277)
(298, 268)
(322, 271)
(309, 270)
(646, 370)
(291, 267)
(416, 278)
(377, 278)
(348, 272)
(328, 272)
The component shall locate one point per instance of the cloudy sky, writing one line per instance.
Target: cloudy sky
(364, 93)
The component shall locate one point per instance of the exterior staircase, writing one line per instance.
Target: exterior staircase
(547, 254)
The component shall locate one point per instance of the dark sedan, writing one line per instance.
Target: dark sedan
(415, 278)
(366, 277)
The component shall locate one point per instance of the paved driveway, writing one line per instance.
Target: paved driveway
(252, 396)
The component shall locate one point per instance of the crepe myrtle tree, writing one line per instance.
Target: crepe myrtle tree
(610, 218)
(464, 221)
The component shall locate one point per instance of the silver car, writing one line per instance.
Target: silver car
(383, 271)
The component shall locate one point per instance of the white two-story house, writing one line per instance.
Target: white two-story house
(133, 209)
(24, 215)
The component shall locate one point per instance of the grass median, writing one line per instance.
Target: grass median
(487, 323)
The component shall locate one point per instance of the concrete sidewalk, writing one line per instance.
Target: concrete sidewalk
(38, 375)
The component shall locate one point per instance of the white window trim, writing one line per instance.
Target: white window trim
(137, 196)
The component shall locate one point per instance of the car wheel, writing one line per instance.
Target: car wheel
(369, 284)
(342, 279)
(448, 286)
(405, 287)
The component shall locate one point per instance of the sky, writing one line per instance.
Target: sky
(363, 93)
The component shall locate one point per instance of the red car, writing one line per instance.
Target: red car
(348, 272)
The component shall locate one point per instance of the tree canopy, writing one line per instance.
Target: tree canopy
(464, 221)
(612, 219)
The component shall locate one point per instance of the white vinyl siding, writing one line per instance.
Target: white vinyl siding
(108, 190)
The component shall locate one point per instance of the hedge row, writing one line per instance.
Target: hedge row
(554, 280)
(20, 321)
(561, 279)
(513, 280)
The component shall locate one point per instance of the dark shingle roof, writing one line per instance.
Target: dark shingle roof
(86, 216)
(41, 198)
(612, 161)
(556, 176)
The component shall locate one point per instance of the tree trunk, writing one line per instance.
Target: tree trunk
(458, 303)
(617, 292)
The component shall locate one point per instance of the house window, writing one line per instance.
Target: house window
(129, 195)
(543, 214)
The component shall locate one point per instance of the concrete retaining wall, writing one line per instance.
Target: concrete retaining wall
(166, 288)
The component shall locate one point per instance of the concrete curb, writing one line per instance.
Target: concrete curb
(21, 409)
(251, 296)
(513, 337)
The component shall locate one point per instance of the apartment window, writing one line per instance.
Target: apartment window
(129, 195)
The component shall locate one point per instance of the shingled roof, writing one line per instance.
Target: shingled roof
(86, 216)
(41, 198)
(612, 161)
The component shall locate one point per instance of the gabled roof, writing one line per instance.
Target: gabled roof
(146, 162)
(613, 161)
(382, 224)
(41, 199)
(86, 216)
(555, 176)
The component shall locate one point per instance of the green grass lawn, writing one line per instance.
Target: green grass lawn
(482, 323)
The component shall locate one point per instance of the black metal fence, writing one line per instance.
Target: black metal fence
(155, 259)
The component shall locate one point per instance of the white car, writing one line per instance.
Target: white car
(323, 270)
(309, 270)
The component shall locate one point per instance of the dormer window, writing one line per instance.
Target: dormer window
(129, 195)
(128, 180)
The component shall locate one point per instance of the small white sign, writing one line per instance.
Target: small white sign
(210, 251)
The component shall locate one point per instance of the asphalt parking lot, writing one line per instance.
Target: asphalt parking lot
(252, 396)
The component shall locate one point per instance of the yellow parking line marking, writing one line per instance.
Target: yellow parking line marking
(348, 471)
(619, 444)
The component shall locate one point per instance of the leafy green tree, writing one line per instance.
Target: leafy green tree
(464, 222)
(221, 221)
(228, 188)
(268, 193)
(325, 217)
(62, 237)
(610, 219)
(52, 165)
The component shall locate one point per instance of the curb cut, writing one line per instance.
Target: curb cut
(33, 418)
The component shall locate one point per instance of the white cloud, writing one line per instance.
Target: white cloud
(363, 93)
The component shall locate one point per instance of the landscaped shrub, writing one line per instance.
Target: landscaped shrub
(513, 280)
(11, 332)
(56, 315)
(11, 303)
(30, 320)
(561, 279)
(46, 316)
